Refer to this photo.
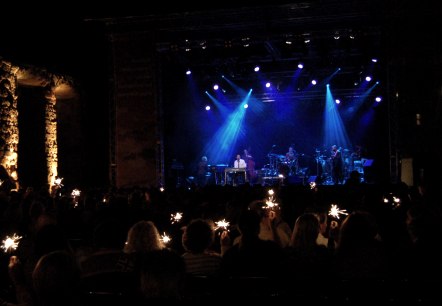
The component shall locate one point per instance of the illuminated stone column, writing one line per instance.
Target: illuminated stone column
(8, 119)
(51, 135)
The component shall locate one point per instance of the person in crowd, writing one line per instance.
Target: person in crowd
(198, 238)
(424, 230)
(252, 256)
(56, 279)
(306, 257)
(272, 226)
(360, 253)
(162, 277)
(143, 237)
(325, 236)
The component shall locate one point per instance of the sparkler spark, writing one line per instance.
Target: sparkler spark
(222, 224)
(165, 238)
(175, 218)
(392, 200)
(335, 211)
(75, 193)
(10, 243)
(270, 202)
(58, 182)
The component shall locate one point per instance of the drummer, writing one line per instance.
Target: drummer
(291, 158)
(291, 155)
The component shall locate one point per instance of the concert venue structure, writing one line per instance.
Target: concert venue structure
(143, 107)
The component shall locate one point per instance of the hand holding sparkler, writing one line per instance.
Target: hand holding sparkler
(225, 241)
(15, 271)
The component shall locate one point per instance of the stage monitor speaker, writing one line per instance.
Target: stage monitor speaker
(312, 179)
(294, 180)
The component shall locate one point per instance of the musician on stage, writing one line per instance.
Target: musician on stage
(241, 164)
(250, 162)
(203, 168)
(337, 165)
(291, 160)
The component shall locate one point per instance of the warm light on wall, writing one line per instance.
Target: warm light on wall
(51, 136)
(9, 118)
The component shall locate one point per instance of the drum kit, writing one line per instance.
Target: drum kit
(324, 164)
(280, 165)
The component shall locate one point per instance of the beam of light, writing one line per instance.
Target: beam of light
(334, 129)
(237, 89)
(222, 145)
(361, 95)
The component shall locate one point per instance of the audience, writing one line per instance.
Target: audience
(264, 253)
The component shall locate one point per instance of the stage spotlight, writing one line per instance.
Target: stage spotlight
(215, 87)
(378, 99)
(313, 82)
(300, 66)
(246, 105)
(188, 72)
(207, 107)
(338, 101)
(268, 84)
(368, 78)
(256, 69)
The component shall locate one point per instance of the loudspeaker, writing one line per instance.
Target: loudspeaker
(312, 179)
(293, 180)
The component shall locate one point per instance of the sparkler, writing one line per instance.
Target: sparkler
(222, 224)
(335, 211)
(10, 243)
(394, 201)
(166, 238)
(175, 218)
(270, 202)
(75, 194)
(58, 182)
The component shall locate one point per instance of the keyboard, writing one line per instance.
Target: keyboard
(235, 170)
